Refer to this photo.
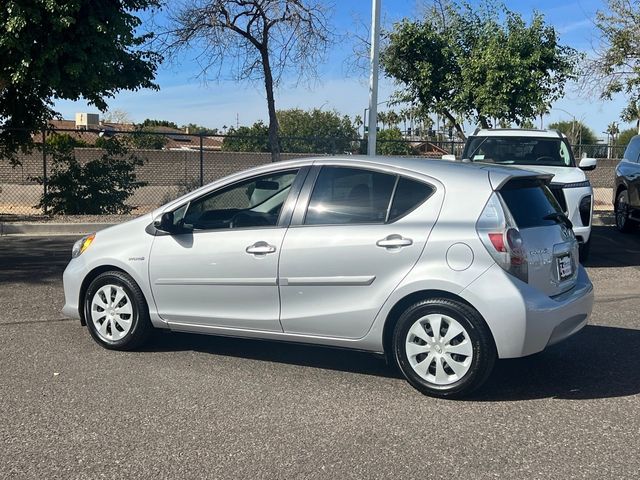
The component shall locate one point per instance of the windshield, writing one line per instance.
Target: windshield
(519, 151)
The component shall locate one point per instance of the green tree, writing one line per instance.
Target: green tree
(259, 40)
(302, 131)
(480, 62)
(158, 123)
(98, 187)
(66, 50)
(577, 132)
(391, 142)
(146, 138)
(63, 142)
(625, 137)
(631, 113)
(315, 131)
(247, 139)
(615, 65)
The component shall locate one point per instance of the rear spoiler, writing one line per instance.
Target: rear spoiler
(498, 177)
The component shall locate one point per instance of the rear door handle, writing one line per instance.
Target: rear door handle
(394, 241)
(260, 248)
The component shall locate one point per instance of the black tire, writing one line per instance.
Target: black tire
(484, 350)
(624, 223)
(585, 251)
(141, 327)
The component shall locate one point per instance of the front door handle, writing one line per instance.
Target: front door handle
(260, 248)
(394, 241)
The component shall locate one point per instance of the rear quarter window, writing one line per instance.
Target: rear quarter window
(529, 202)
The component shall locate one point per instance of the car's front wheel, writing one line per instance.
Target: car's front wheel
(443, 347)
(116, 312)
(624, 223)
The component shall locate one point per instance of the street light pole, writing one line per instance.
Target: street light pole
(373, 79)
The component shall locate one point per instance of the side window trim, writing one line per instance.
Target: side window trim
(302, 204)
(391, 198)
(303, 169)
(286, 214)
(300, 210)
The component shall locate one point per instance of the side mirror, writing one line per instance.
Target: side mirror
(449, 157)
(587, 164)
(165, 223)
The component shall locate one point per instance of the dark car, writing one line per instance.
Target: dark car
(626, 198)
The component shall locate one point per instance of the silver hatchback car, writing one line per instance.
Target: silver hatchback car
(441, 266)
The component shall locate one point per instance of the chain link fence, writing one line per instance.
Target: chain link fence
(168, 164)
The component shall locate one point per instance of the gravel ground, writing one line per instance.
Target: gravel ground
(194, 406)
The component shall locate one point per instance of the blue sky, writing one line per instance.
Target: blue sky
(184, 98)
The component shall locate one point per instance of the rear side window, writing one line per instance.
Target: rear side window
(633, 150)
(529, 202)
(348, 196)
(354, 195)
(409, 194)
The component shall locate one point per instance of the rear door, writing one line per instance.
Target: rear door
(550, 245)
(354, 235)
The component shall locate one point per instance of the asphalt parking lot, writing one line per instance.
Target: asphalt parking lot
(194, 406)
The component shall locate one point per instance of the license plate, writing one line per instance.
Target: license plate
(565, 267)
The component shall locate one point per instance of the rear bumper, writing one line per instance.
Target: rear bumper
(523, 320)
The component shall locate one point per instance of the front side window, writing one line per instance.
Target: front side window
(251, 203)
(519, 151)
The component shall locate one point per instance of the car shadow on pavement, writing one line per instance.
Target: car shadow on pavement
(599, 362)
(610, 248)
(306, 355)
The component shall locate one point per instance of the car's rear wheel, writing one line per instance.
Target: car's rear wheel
(116, 312)
(443, 347)
(624, 223)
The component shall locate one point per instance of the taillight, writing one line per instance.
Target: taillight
(502, 239)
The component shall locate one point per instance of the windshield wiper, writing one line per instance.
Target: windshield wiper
(559, 218)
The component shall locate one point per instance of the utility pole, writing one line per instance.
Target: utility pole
(373, 79)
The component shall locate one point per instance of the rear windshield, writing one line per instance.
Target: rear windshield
(530, 202)
(519, 151)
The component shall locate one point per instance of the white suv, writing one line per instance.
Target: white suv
(544, 151)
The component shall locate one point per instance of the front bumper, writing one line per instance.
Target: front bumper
(524, 320)
(72, 281)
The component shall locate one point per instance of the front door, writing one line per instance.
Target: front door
(221, 270)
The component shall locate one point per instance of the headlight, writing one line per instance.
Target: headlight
(81, 245)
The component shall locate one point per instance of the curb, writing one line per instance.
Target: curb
(44, 228)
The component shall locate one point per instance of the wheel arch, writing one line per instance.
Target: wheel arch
(87, 281)
(408, 300)
(620, 188)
